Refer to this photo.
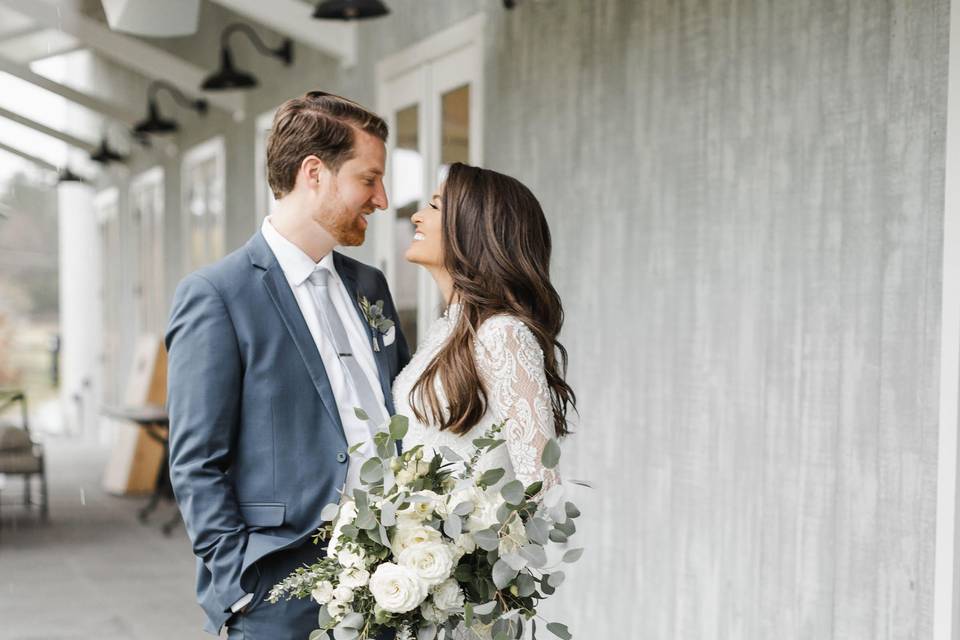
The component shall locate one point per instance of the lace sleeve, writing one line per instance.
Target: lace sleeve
(510, 362)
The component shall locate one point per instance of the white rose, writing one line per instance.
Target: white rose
(322, 593)
(432, 561)
(352, 556)
(406, 476)
(343, 594)
(406, 536)
(354, 577)
(396, 589)
(338, 609)
(485, 512)
(448, 596)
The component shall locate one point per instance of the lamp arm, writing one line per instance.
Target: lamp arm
(280, 52)
(199, 105)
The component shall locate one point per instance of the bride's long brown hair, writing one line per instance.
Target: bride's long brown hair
(496, 248)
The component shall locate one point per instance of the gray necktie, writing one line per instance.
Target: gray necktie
(330, 319)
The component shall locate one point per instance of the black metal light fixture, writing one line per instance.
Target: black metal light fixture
(227, 77)
(509, 4)
(154, 122)
(66, 175)
(105, 155)
(350, 9)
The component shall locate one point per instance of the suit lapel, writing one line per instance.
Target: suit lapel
(279, 291)
(349, 277)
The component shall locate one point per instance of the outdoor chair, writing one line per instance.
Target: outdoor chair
(20, 455)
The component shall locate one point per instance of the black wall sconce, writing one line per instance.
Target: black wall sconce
(350, 9)
(105, 155)
(154, 122)
(226, 77)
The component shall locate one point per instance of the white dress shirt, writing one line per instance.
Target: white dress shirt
(297, 267)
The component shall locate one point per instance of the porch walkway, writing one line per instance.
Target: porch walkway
(93, 572)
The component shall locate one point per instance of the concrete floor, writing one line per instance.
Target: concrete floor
(93, 571)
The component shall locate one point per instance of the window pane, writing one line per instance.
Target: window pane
(455, 126)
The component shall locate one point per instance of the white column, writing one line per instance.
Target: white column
(80, 313)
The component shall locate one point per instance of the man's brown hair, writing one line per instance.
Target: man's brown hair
(319, 124)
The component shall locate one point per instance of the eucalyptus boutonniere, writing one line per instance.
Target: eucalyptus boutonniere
(375, 318)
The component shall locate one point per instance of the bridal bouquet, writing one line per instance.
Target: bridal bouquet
(431, 548)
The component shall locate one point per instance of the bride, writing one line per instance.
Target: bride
(493, 356)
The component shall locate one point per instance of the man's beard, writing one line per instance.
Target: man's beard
(346, 228)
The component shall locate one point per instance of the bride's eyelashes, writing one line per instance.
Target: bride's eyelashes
(434, 206)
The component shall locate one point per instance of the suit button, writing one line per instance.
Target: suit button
(341, 457)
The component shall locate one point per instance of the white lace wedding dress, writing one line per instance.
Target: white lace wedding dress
(510, 363)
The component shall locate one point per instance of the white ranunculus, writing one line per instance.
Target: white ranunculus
(322, 593)
(448, 597)
(407, 535)
(338, 609)
(432, 561)
(397, 589)
(343, 594)
(354, 577)
(421, 510)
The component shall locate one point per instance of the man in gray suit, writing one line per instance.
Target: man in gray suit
(270, 352)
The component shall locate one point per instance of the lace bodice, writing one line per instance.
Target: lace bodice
(510, 363)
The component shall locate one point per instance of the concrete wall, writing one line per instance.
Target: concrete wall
(746, 201)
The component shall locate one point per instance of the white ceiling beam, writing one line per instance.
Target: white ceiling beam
(73, 141)
(40, 162)
(129, 52)
(295, 20)
(108, 109)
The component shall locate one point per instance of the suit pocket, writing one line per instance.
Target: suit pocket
(263, 514)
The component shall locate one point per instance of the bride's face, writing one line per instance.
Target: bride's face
(426, 249)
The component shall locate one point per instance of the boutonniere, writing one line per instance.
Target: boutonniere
(375, 318)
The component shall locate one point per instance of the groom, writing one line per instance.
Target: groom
(269, 354)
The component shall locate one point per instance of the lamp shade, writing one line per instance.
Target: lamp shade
(154, 122)
(151, 18)
(227, 77)
(350, 9)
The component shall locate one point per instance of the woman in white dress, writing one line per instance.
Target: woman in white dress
(493, 356)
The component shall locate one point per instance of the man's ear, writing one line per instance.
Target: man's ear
(312, 171)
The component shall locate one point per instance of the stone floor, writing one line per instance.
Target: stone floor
(93, 571)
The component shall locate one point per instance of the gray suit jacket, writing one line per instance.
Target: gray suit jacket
(256, 443)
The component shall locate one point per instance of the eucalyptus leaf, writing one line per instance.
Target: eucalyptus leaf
(450, 454)
(329, 512)
(551, 454)
(398, 427)
(556, 579)
(464, 508)
(388, 513)
(468, 614)
(558, 536)
(572, 555)
(318, 634)
(572, 511)
(341, 632)
(485, 609)
(453, 526)
(534, 554)
(515, 560)
(533, 488)
(538, 530)
(360, 413)
(352, 450)
(503, 574)
(559, 630)
(512, 492)
(372, 471)
(568, 528)
(352, 620)
(491, 476)
(486, 539)
(526, 585)
(427, 632)
(365, 519)
(324, 619)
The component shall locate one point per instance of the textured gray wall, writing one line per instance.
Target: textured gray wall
(746, 201)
